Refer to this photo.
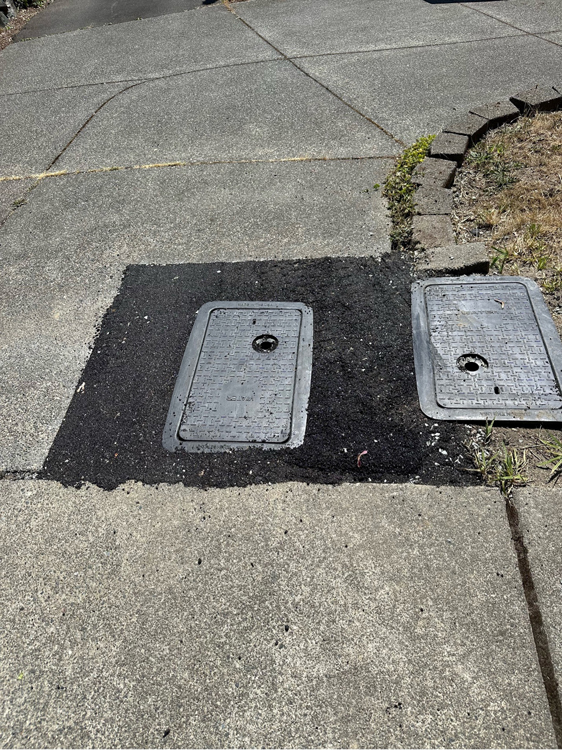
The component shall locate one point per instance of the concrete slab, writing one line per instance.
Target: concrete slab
(68, 15)
(540, 515)
(270, 111)
(64, 251)
(298, 28)
(140, 49)
(36, 127)
(537, 17)
(11, 195)
(286, 616)
(415, 91)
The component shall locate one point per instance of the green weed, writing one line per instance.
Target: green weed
(504, 467)
(509, 470)
(489, 158)
(500, 258)
(399, 190)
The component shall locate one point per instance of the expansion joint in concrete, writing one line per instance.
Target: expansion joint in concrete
(512, 26)
(429, 45)
(537, 624)
(312, 78)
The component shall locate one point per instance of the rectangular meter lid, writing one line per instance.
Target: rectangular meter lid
(486, 348)
(245, 378)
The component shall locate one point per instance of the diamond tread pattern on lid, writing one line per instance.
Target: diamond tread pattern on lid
(486, 348)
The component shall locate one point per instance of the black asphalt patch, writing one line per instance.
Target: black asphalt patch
(69, 15)
(363, 394)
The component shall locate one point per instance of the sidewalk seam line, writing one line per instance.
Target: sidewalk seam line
(285, 58)
(540, 636)
(409, 46)
(312, 78)
(534, 34)
(146, 80)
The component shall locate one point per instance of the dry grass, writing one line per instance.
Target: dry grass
(509, 195)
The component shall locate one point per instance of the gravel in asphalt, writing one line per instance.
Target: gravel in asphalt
(363, 394)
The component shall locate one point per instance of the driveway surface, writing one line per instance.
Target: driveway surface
(145, 604)
(69, 15)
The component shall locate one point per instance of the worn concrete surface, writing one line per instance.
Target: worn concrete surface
(540, 514)
(182, 42)
(454, 260)
(68, 15)
(64, 251)
(36, 127)
(415, 91)
(298, 28)
(268, 111)
(11, 193)
(286, 616)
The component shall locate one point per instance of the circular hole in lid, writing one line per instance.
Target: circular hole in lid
(471, 362)
(265, 343)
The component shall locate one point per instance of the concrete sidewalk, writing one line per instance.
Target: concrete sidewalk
(283, 616)
(249, 133)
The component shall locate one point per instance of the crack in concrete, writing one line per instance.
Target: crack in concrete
(285, 58)
(146, 79)
(540, 636)
(90, 118)
(169, 164)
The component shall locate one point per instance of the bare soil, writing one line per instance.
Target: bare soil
(16, 24)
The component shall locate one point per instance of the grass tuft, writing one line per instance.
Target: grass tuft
(504, 467)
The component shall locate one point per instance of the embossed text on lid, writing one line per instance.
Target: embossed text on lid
(486, 348)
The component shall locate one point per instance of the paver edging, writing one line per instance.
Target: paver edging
(433, 231)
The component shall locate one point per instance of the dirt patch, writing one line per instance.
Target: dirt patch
(16, 24)
(508, 194)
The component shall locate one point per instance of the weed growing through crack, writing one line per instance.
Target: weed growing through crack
(510, 469)
(488, 431)
(399, 190)
(553, 447)
(504, 467)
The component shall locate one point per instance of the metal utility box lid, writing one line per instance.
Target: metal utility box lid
(486, 348)
(244, 380)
